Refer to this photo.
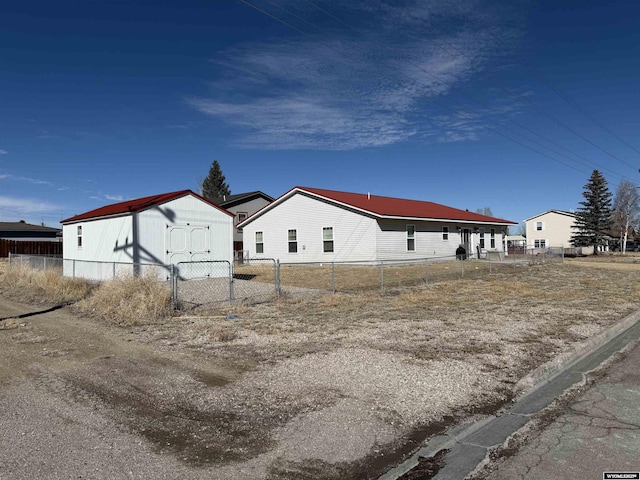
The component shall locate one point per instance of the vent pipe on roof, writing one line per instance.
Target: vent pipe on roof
(368, 195)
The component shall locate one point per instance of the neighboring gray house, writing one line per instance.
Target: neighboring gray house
(242, 205)
(161, 229)
(316, 225)
(23, 231)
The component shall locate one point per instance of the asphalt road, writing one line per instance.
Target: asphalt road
(597, 433)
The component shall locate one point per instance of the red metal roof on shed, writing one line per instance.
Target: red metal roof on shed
(137, 205)
(398, 207)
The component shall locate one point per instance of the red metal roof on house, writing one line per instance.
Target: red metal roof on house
(137, 205)
(398, 207)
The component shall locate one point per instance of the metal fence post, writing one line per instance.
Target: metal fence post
(426, 271)
(9, 258)
(382, 276)
(276, 273)
(231, 293)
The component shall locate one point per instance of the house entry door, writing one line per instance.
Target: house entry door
(466, 240)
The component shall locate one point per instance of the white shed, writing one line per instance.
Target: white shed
(316, 225)
(161, 229)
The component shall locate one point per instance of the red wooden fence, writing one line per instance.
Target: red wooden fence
(29, 247)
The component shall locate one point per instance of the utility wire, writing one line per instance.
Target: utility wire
(453, 87)
(438, 79)
(445, 107)
(553, 88)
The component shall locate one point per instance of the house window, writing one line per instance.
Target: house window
(538, 226)
(411, 238)
(259, 243)
(242, 216)
(493, 238)
(327, 239)
(80, 236)
(293, 241)
(445, 233)
(482, 238)
(540, 243)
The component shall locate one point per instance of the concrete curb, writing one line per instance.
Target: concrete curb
(559, 370)
(566, 359)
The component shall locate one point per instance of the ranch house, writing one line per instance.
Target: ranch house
(316, 225)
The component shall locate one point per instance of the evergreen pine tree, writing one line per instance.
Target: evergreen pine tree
(593, 218)
(214, 185)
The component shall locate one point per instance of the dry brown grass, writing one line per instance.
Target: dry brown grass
(129, 300)
(515, 317)
(22, 282)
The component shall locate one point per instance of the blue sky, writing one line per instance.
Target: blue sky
(503, 104)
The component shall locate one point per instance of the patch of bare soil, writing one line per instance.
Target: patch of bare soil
(340, 386)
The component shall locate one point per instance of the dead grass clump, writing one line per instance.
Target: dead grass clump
(221, 333)
(27, 284)
(129, 300)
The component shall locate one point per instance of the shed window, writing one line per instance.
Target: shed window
(493, 238)
(79, 235)
(327, 239)
(293, 241)
(259, 243)
(538, 226)
(482, 238)
(411, 238)
(445, 233)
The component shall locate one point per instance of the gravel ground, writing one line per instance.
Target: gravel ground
(332, 387)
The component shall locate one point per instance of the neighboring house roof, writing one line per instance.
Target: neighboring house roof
(385, 207)
(137, 205)
(228, 201)
(27, 229)
(559, 212)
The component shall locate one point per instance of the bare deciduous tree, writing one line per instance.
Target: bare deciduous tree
(626, 206)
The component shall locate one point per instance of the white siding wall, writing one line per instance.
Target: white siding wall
(354, 235)
(182, 211)
(112, 239)
(392, 240)
(103, 240)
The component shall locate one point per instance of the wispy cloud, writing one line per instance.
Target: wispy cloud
(3, 152)
(354, 83)
(115, 198)
(19, 178)
(29, 209)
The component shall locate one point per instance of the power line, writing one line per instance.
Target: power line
(453, 87)
(445, 107)
(555, 89)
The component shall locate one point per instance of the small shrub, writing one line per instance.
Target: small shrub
(129, 300)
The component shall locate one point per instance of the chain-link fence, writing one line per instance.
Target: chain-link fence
(37, 262)
(207, 284)
(203, 285)
(91, 270)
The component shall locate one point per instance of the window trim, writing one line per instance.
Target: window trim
(482, 232)
(493, 237)
(292, 243)
(539, 243)
(259, 243)
(445, 233)
(410, 229)
(541, 227)
(326, 242)
(79, 236)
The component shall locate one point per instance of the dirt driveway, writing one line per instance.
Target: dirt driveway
(81, 399)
